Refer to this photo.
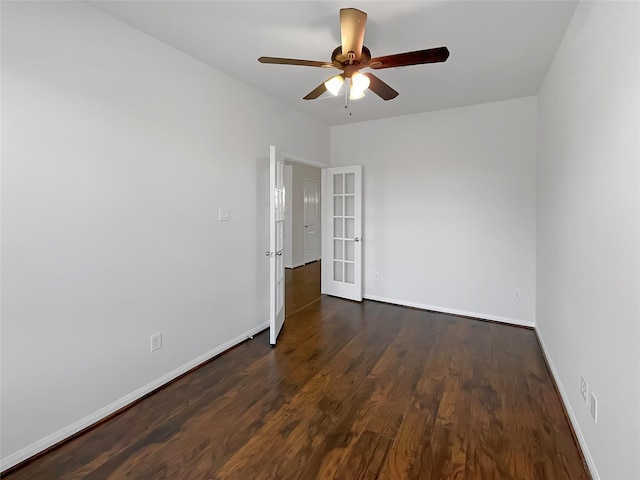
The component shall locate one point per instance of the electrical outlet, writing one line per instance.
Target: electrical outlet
(584, 388)
(516, 293)
(593, 406)
(156, 341)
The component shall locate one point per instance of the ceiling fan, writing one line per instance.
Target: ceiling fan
(352, 56)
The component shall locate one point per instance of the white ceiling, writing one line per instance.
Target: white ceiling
(499, 49)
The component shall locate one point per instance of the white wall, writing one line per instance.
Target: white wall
(300, 173)
(117, 152)
(588, 229)
(449, 207)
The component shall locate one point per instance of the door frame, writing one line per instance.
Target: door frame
(305, 161)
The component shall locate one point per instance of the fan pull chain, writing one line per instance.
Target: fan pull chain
(347, 95)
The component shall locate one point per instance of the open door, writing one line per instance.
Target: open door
(276, 243)
(342, 232)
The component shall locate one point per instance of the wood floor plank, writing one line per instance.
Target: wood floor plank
(352, 391)
(324, 407)
(302, 286)
(355, 431)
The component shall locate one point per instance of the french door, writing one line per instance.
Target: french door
(276, 243)
(342, 232)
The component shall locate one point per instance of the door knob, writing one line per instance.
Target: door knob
(279, 253)
(268, 254)
(357, 239)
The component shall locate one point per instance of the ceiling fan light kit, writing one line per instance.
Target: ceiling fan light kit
(356, 94)
(352, 56)
(334, 84)
(359, 82)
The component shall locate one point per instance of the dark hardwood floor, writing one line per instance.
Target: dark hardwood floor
(302, 286)
(351, 391)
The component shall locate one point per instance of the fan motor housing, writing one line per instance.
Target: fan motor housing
(341, 60)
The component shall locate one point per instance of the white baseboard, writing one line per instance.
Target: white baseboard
(60, 435)
(572, 417)
(483, 316)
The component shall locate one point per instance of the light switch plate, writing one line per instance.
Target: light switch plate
(224, 214)
(156, 341)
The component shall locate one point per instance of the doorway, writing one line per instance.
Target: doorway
(303, 229)
(341, 220)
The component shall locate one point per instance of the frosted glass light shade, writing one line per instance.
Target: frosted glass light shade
(334, 84)
(359, 82)
(356, 94)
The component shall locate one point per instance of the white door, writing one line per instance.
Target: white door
(276, 243)
(311, 221)
(342, 232)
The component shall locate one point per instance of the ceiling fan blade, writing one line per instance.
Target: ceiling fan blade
(380, 88)
(294, 61)
(430, 55)
(316, 92)
(352, 25)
